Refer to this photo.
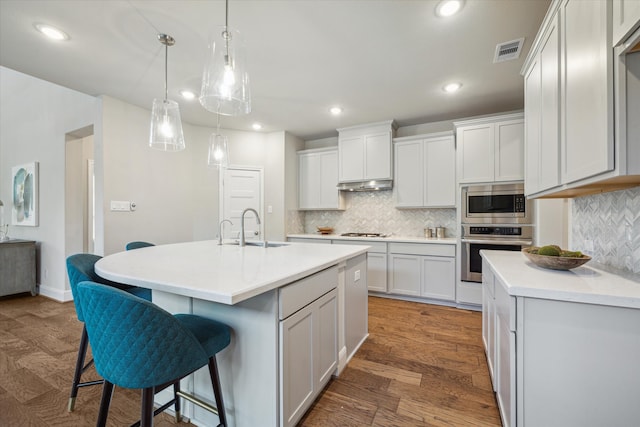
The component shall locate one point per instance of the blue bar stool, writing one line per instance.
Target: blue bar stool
(137, 245)
(80, 267)
(136, 344)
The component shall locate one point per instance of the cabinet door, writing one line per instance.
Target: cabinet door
(509, 150)
(475, 153)
(440, 172)
(297, 364)
(377, 272)
(308, 181)
(404, 274)
(626, 16)
(439, 278)
(351, 159)
(588, 81)
(549, 166)
(327, 337)
(327, 191)
(409, 172)
(377, 154)
(532, 113)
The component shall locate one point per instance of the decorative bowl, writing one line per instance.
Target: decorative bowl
(325, 230)
(555, 262)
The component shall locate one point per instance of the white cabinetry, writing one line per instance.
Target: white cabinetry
(422, 270)
(376, 263)
(626, 18)
(490, 149)
(579, 135)
(308, 341)
(425, 170)
(365, 152)
(560, 363)
(318, 180)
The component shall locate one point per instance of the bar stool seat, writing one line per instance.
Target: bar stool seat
(137, 245)
(136, 344)
(80, 267)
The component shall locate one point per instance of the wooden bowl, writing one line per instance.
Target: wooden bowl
(325, 230)
(555, 262)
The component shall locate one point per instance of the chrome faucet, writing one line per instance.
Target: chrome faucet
(242, 241)
(221, 228)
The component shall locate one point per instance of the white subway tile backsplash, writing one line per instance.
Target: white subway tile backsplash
(611, 222)
(375, 212)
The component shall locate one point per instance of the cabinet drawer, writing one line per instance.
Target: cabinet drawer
(376, 247)
(423, 249)
(303, 292)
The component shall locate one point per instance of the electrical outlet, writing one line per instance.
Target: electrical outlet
(356, 276)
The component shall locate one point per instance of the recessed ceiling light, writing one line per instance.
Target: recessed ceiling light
(187, 94)
(52, 32)
(449, 7)
(335, 110)
(452, 87)
(256, 126)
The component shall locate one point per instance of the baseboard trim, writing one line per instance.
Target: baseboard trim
(55, 293)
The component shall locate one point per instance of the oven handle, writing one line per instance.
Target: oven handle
(499, 242)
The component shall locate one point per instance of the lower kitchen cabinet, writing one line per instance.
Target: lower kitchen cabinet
(308, 344)
(560, 362)
(376, 263)
(422, 270)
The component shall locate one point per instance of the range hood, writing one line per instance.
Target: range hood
(371, 185)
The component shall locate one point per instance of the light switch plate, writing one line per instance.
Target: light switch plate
(120, 206)
(356, 276)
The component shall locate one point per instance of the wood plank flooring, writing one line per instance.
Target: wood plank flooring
(423, 365)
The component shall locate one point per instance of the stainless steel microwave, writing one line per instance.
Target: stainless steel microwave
(496, 204)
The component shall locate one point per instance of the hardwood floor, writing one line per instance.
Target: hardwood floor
(423, 365)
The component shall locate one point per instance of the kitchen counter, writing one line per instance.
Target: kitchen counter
(263, 294)
(390, 239)
(226, 274)
(589, 283)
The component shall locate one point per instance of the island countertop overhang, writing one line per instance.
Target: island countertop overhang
(226, 274)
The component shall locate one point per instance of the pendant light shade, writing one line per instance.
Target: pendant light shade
(166, 125)
(225, 80)
(218, 150)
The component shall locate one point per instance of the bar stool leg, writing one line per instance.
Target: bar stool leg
(217, 390)
(82, 353)
(105, 402)
(176, 405)
(146, 416)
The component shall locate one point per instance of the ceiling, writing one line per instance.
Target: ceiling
(378, 59)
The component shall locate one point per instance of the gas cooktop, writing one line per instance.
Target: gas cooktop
(363, 235)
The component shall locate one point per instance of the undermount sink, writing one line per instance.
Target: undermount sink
(265, 244)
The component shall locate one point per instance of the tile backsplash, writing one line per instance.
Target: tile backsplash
(610, 222)
(375, 212)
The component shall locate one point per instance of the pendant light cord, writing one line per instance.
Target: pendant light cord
(166, 86)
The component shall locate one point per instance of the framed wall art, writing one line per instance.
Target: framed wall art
(24, 179)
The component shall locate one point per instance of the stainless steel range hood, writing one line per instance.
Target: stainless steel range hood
(366, 185)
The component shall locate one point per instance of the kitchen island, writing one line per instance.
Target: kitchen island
(562, 346)
(285, 305)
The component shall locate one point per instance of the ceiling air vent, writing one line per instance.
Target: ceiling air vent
(508, 50)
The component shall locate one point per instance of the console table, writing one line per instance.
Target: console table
(17, 267)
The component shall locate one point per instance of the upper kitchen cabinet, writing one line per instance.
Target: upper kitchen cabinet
(318, 179)
(425, 171)
(490, 149)
(580, 97)
(365, 152)
(626, 18)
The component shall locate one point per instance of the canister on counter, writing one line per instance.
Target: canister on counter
(428, 233)
(440, 232)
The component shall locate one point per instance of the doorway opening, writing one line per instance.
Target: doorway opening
(241, 188)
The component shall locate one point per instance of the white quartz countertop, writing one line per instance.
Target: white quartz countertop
(227, 274)
(586, 284)
(390, 239)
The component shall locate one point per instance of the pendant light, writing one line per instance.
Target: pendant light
(218, 148)
(166, 126)
(225, 80)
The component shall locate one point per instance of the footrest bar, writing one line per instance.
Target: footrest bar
(198, 402)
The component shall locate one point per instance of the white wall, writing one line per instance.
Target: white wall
(34, 117)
